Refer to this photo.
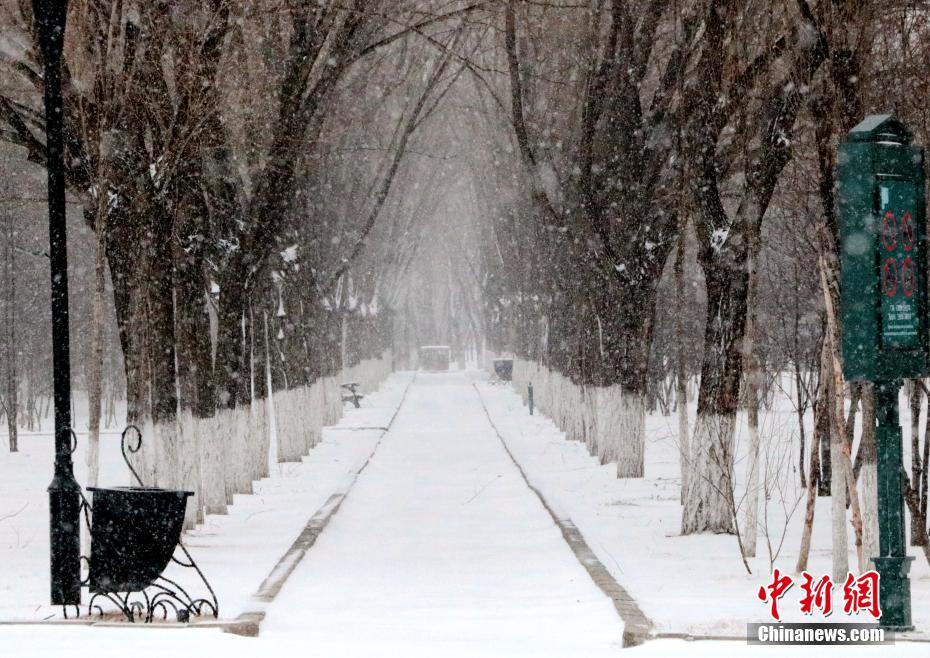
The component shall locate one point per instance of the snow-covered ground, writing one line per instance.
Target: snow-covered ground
(236, 551)
(151, 643)
(685, 584)
(439, 549)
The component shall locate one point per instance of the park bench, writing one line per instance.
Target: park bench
(353, 395)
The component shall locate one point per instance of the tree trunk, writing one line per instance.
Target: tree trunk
(843, 429)
(825, 481)
(95, 371)
(681, 373)
(192, 316)
(128, 276)
(619, 344)
(805, 549)
(867, 459)
(272, 418)
(710, 487)
(194, 362)
(838, 490)
(753, 374)
(161, 317)
(162, 450)
(913, 505)
(800, 409)
(344, 341)
(11, 385)
(229, 370)
(632, 435)
(684, 450)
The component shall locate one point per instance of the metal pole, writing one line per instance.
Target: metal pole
(893, 564)
(529, 396)
(64, 492)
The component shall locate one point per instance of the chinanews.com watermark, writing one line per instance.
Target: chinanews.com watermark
(859, 596)
(817, 633)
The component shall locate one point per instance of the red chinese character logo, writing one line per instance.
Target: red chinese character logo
(817, 594)
(861, 594)
(780, 584)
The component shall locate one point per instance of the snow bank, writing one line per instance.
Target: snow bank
(694, 584)
(236, 549)
(610, 424)
(222, 456)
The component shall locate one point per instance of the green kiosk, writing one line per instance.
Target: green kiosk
(883, 244)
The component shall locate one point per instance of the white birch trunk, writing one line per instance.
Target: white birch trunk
(611, 413)
(748, 528)
(145, 460)
(271, 457)
(95, 375)
(588, 410)
(214, 470)
(257, 443)
(344, 358)
(750, 523)
(868, 489)
(684, 452)
(868, 480)
(189, 464)
(838, 488)
(681, 379)
(708, 504)
(573, 408)
(631, 436)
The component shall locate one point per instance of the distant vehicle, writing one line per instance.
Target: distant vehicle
(434, 357)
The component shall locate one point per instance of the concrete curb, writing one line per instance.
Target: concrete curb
(637, 627)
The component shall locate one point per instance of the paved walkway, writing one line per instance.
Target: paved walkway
(441, 549)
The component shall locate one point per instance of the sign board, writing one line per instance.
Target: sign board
(900, 313)
(883, 243)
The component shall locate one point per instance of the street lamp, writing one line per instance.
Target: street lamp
(64, 492)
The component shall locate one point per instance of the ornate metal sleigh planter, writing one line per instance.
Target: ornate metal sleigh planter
(134, 534)
(133, 537)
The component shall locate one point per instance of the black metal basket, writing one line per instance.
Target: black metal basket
(133, 535)
(503, 368)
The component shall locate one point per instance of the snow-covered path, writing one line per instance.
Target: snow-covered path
(441, 549)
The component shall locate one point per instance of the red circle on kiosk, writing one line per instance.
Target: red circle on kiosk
(908, 277)
(889, 231)
(890, 278)
(907, 231)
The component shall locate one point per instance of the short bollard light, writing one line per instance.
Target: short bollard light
(884, 314)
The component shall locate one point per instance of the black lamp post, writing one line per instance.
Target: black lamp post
(64, 492)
